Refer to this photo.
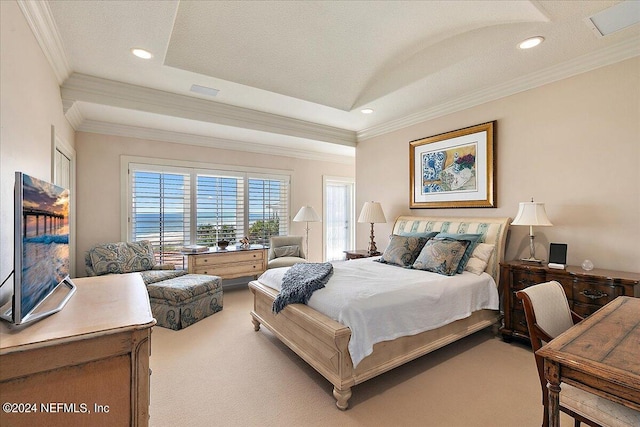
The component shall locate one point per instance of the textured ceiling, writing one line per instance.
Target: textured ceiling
(298, 72)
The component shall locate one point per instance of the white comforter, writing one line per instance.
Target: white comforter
(381, 302)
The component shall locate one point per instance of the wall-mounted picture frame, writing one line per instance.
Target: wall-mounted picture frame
(454, 169)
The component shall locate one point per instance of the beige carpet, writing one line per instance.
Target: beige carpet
(219, 372)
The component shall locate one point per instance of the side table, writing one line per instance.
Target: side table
(360, 254)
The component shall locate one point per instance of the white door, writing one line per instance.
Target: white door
(63, 174)
(339, 217)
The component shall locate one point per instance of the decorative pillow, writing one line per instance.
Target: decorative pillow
(441, 256)
(291, 250)
(473, 240)
(403, 250)
(122, 257)
(479, 258)
(142, 254)
(426, 234)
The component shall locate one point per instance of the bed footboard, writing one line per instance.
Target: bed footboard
(320, 341)
(323, 343)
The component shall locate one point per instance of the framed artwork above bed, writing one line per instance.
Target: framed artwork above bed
(454, 169)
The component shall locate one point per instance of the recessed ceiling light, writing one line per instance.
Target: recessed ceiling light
(366, 111)
(141, 53)
(531, 42)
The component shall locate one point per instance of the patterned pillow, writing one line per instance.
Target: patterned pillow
(473, 240)
(441, 256)
(122, 257)
(427, 234)
(403, 250)
(290, 250)
(479, 258)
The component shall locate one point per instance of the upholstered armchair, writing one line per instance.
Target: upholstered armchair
(548, 315)
(284, 251)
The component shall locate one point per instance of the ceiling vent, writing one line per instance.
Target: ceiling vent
(203, 90)
(615, 18)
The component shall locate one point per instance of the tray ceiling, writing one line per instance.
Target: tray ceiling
(294, 75)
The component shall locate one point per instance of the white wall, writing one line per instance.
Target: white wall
(99, 186)
(30, 104)
(573, 144)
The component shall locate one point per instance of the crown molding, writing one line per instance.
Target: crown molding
(72, 113)
(600, 58)
(106, 128)
(81, 87)
(40, 20)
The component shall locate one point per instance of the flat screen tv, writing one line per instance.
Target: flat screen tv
(41, 249)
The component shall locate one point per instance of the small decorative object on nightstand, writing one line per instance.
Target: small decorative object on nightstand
(360, 254)
(587, 265)
(586, 291)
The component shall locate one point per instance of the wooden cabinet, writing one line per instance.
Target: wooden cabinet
(229, 263)
(85, 365)
(586, 291)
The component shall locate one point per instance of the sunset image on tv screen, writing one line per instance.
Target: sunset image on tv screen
(45, 239)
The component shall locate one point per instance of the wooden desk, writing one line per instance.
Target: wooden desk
(85, 365)
(601, 355)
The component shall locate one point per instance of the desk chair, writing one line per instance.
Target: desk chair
(548, 315)
(284, 251)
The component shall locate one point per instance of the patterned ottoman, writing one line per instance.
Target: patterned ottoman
(181, 301)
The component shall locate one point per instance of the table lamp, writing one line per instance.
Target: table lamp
(372, 213)
(306, 214)
(531, 213)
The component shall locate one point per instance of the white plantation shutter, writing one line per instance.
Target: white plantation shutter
(268, 207)
(220, 209)
(174, 206)
(161, 211)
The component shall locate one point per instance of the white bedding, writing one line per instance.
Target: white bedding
(381, 302)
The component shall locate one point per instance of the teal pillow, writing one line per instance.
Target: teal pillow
(473, 240)
(441, 256)
(403, 250)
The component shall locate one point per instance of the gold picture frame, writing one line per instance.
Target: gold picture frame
(454, 169)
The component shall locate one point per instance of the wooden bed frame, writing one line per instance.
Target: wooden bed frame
(323, 342)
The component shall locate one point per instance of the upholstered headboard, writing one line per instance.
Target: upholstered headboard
(494, 231)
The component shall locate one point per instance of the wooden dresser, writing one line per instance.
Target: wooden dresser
(85, 365)
(586, 291)
(229, 263)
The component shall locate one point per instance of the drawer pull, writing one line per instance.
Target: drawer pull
(523, 323)
(594, 294)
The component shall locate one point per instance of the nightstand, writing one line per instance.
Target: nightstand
(586, 291)
(360, 254)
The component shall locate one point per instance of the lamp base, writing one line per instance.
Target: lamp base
(532, 260)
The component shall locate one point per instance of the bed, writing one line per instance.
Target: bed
(324, 342)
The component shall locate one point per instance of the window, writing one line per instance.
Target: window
(173, 206)
(268, 208)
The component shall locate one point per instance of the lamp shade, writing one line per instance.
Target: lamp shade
(372, 213)
(531, 213)
(306, 214)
